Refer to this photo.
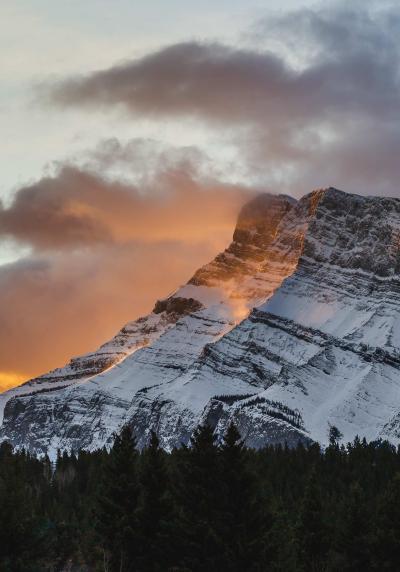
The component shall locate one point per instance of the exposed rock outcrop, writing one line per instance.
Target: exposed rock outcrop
(320, 348)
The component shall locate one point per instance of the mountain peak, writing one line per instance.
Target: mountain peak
(321, 347)
(259, 218)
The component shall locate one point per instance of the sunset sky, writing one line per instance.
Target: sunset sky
(133, 131)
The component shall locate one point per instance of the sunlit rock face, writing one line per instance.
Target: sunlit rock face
(326, 345)
(321, 346)
(90, 396)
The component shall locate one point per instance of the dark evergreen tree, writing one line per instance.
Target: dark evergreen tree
(352, 548)
(155, 512)
(243, 518)
(335, 436)
(311, 530)
(21, 526)
(387, 535)
(198, 496)
(117, 505)
(282, 556)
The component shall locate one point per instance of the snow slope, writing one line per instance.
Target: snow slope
(325, 346)
(321, 348)
(90, 404)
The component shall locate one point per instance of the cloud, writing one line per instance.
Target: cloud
(209, 80)
(56, 306)
(102, 252)
(77, 207)
(322, 86)
(316, 103)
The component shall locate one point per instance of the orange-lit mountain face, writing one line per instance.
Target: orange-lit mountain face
(102, 252)
(320, 347)
(218, 296)
(244, 275)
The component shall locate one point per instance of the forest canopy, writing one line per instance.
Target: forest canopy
(211, 506)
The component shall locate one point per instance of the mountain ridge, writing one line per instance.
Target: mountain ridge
(323, 274)
(132, 336)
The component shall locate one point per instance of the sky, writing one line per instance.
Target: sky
(133, 132)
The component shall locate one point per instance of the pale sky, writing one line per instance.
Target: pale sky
(44, 39)
(41, 39)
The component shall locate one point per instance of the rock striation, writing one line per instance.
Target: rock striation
(293, 328)
(102, 384)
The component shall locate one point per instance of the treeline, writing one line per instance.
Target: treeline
(207, 507)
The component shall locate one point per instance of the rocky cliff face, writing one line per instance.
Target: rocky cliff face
(324, 348)
(82, 403)
(321, 348)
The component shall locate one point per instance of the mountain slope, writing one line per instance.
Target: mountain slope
(321, 348)
(90, 406)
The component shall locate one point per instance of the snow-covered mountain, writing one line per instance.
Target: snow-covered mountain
(321, 346)
(217, 297)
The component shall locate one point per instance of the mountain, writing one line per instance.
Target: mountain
(156, 347)
(293, 328)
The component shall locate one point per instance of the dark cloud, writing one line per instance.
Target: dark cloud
(57, 211)
(209, 80)
(228, 85)
(77, 207)
(329, 91)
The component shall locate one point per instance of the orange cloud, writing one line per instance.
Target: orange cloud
(103, 253)
(77, 208)
(58, 306)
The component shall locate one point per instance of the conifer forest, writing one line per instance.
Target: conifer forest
(207, 507)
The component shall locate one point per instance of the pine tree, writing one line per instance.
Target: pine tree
(311, 530)
(387, 545)
(335, 436)
(244, 515)
(281, 542)
(117, 505)
(198, 494)
(21, 540)
(353, 541)
(155, 510)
